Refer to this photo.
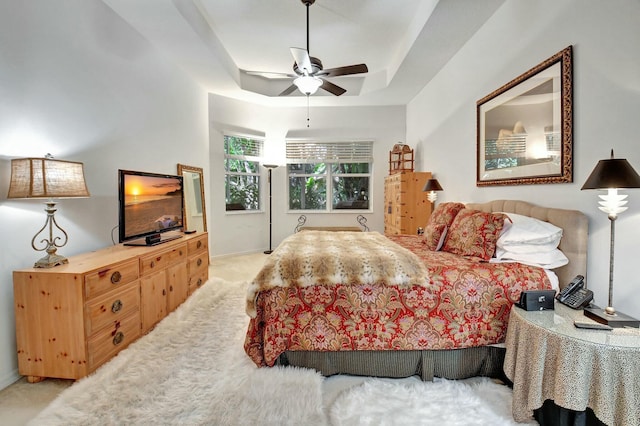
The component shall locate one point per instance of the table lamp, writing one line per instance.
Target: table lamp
(48, 178)
(612, 174)
(432, 186)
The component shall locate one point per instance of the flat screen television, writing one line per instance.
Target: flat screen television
(150, 205)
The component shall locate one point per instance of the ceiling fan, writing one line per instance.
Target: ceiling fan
(309, 75)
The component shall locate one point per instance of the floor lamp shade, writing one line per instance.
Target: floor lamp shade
(612, 174)
(48, 178)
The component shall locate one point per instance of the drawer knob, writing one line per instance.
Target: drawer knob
(116, 306)
(152, 264)
(116, 277)
(164, 292)
(199, 262)
(199, 282)
(199, 244)
(118, 338)
(170, 288)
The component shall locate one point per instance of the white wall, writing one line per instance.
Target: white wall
(78, 82)
(441, 120)
(249, 232)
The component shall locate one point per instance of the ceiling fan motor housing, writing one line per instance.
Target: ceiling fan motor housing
(316, 66)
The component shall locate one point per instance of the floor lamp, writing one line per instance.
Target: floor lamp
(612, 174)
(270, 168)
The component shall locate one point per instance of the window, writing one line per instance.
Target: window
(242, 172)
(329, 176)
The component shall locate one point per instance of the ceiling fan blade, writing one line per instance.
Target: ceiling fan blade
(302, 59)
(269, 74)
(289, 90)
(332, 88)
(348, 70)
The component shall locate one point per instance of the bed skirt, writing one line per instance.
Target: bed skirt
(449, 364)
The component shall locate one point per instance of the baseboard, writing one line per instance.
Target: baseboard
(9, 378)
(241, 253)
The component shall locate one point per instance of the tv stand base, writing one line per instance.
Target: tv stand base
(152, 240)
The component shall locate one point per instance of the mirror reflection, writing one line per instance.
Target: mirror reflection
(195, 217)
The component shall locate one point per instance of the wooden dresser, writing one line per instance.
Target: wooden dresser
(406, 205)
(72, 318)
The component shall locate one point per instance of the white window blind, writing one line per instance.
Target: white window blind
(249, 148)
(329, 152)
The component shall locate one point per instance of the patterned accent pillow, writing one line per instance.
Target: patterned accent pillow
(441, 218)
(434, 236)
(474, 233)
(444, 213)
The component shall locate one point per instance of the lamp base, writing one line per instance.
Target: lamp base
(268, 251)
(51, 260)
(616, 320)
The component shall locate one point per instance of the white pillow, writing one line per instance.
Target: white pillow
(547, 259)
(555, 281)
(525, 231)
(529, 248)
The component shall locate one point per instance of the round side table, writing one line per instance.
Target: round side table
(548, 358)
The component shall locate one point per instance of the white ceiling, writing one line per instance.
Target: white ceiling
(403, 42)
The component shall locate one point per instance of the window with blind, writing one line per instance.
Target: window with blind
(329, 176)
(242, 172)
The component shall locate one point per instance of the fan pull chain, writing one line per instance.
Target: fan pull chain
(307, 110)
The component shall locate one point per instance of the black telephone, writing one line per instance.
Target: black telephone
(574, 295)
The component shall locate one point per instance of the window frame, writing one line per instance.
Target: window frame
(330, 153)
(260, 141)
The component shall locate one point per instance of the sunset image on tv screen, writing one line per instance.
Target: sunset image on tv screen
(151, 204)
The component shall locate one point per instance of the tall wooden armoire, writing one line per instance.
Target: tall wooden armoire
(406, 205)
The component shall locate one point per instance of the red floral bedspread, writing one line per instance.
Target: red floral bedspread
(469, 308)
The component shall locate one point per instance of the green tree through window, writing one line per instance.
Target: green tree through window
(329, 176)
(242, 172)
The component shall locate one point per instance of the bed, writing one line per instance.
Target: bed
(369, 307)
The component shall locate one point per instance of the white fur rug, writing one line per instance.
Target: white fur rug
(477, 401)
(192, 370)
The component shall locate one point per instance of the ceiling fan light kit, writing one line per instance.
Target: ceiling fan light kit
(308, 84)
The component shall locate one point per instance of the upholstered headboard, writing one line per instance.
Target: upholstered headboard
(575, 230)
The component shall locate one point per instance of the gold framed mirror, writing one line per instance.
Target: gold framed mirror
(538, 106)
(195, 215)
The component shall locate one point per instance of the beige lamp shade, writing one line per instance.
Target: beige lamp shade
(46, 178)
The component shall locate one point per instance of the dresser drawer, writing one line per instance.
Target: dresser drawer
(177, 255)
(197, 280)
(158, 261)
(198, 263)
(198, 245)
(110, 277)
(112, 307)
(111, 340)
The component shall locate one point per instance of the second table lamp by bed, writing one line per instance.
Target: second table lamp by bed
(612, 174)
(431, 187)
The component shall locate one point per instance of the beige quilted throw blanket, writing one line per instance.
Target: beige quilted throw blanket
(327, 258)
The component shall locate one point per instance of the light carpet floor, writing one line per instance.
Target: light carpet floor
(191, 370)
